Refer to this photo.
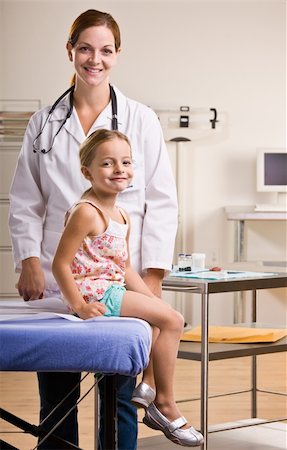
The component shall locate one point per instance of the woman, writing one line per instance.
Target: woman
(47, 182)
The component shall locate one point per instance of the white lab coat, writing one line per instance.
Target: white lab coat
(46, 185)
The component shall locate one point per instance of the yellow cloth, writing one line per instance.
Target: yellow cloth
(236, 335)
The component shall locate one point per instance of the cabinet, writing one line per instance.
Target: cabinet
(8, 158)
(14, 116)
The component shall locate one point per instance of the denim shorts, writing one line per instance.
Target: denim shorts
(112, 299)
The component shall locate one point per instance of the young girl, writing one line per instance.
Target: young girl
(93, 270)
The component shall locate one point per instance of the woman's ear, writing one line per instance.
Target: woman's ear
(69, 49)
(85, 171)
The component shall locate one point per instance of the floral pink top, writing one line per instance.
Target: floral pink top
(100, 260)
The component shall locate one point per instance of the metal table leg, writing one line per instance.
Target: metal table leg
(239, 256)
(254, 361)
(204, 368)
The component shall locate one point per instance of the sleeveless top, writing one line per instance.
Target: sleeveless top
(100, 260)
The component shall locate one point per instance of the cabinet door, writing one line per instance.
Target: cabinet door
(5, 241)
(8, 159)
(8, 277)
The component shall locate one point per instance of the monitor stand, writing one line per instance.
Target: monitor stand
(280, 205)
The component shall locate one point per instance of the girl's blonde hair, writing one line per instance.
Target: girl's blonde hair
(98, 137)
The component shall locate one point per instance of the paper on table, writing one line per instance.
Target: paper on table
(220, 275)
(47, 308)
(38, 316)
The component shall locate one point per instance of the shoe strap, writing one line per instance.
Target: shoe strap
(177, 423)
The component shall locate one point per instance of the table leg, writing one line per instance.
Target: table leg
(239, 247)
(254, 361)
(204, 369)
(239, 256)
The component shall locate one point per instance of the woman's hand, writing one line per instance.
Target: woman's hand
(153, 279)
(31, 283)
(89, 310)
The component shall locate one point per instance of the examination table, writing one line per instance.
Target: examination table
(32, 338)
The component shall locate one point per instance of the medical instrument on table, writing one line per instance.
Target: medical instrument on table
(70, 91)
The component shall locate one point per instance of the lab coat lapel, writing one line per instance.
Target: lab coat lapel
(73, 125)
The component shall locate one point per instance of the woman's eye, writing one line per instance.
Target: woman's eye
(84, 49)
(107, 51)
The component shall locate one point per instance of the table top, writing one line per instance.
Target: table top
(248, 213)
(205, 285)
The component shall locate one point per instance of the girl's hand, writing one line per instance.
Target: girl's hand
(89, 310)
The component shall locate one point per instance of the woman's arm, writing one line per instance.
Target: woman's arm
(161, 213)
(80, 224)
(133, 280)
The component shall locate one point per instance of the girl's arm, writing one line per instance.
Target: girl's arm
(80, 224)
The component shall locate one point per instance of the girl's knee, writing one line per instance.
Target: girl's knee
(180, 319)
(177, 321)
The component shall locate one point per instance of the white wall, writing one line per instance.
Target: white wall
(224, 54)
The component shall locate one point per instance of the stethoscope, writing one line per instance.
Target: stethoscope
(70, 91)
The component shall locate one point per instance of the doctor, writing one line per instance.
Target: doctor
(47, 182)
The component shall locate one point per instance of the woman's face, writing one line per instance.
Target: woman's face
(94, 55)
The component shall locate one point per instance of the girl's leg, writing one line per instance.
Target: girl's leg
(170, 324)
(148, 374)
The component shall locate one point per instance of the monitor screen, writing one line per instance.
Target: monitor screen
(272, 170)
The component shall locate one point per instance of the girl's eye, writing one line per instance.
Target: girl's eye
(127, 163)
(107, 164)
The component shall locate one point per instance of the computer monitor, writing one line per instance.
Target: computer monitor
(272, 171)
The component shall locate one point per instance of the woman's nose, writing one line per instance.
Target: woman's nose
(95, 56)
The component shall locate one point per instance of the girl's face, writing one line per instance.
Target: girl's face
(111, 169)
(94, 55)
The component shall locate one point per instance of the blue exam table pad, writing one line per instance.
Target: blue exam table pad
(48, 341)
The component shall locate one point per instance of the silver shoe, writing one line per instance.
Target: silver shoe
(143, 395)
(188, 437)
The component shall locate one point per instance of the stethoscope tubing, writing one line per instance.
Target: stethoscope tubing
(70, 91)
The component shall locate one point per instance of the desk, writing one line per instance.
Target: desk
(203, 352)
(240, 214)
